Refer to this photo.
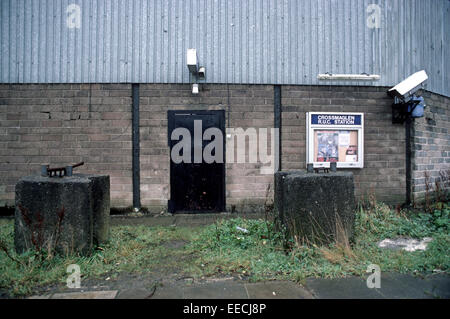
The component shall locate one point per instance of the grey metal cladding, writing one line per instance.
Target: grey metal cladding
(238, 41)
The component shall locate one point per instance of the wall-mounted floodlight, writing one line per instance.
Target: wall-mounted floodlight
(195, 88)
(192, 61)
(348, 77)
(196, 72)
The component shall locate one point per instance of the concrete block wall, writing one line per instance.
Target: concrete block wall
(63, 124)
(245, 106)
(67, 123)
(430, 146)
(384, 143)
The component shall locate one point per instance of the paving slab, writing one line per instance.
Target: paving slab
(439, 286)
(393, 286)
(168, 291)
(217, 290)
(396, 286)
(40, 297)
(133, 293)
(106, 294)
(341, 288)
(277, 290)
(404, 286)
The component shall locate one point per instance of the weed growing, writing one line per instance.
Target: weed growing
(227, 250)
(246, 248)
(130, 249)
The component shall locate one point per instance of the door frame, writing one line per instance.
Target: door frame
(170, 127)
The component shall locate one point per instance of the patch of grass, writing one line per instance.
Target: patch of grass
(379, 221)
(259, 254)
(130, 249)
(248, 248)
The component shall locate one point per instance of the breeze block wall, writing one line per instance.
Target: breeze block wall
(61, 124)
(245, 106)
(430, 147)
(384, 143)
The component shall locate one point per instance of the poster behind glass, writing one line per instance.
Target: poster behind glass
(335, 146)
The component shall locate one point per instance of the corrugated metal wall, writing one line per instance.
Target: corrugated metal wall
(239, 41)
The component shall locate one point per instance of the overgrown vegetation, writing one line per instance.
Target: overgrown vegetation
(34, 237)
(259, 253)
(130, 249)
(437, 192)
(248, 248)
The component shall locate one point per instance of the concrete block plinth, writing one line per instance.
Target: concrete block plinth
(315, 208)
(63, 214)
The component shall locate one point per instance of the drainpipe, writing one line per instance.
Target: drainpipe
(408, 165)
(277, 119)
(135, 147)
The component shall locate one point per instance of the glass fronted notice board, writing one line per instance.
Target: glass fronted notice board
(335, 137)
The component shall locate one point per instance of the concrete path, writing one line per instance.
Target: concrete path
(184, 220)
(219, 289)
(393, 286)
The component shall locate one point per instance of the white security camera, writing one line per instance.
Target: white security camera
(192, 61)
(409, 86)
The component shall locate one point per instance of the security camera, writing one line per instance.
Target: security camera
(406, 104)
(201, 72)
(409, 86)
(192, 61)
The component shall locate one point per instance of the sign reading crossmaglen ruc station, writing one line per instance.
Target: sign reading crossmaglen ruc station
(335, 137)
(336, 119)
